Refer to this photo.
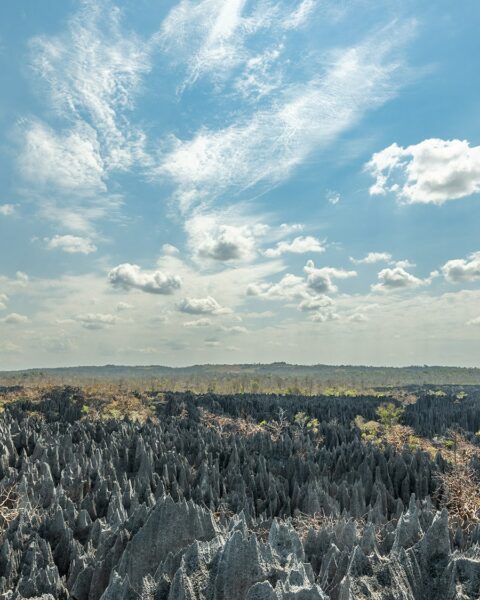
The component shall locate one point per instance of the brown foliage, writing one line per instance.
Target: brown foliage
(459, 492)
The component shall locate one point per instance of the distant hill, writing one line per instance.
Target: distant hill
(325, 375)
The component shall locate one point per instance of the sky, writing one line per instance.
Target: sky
(238, 181)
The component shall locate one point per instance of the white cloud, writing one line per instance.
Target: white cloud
(15, 319)
(305, 117)
(7, 347)
(170, 250)
(93, 72)
(230, 243)
(235, 329)
(7, 210)
(286, 228)
(404, 264)
(290, 287)
(223, 236)
(460, 270)
(128, 276)
(300, 15)
(209, 36)
(214, 37)
(397, 278)
(372, 258)
(21, 278)
(475, 321)
(96, 320)
(310, 290)
(200, 306)
(431, 172)
(123, 306)
(69, 161)
(71, 244)
(315, 303)
(212, 343)
(3, 301)
(333, 197)
(323, 316)
(259, 77)
(299, 245)
(321, 279)
(198, 323)
(357, 318)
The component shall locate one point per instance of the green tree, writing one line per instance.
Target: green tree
(389, 414)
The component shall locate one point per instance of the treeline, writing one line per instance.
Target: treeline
(279, 378)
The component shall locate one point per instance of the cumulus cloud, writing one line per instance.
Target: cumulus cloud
(198, 323)
(357, 318)
(96, 320)
(21, 278)
(71, 244)
(397, 278)
(212, 343)
(461, 270)
(201, 306)
(316, 303)
(299, 245)
(15, 319)
(7, 210)
(475, 321)
(123, 306)
(230, 243)
(323, 316)
(430, 172)
(223, 236)
(3, 301)
(372, 258)
(170, 250)
(128, 276)
(235, 329)
(321, 279)
(310, 290)
(290, 287)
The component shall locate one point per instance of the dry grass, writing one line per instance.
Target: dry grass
(459, 493)
(101, 400)
(459, 487)
(229, 425)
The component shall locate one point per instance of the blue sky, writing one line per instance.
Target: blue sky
(239, 181)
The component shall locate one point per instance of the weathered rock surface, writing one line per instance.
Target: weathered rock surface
(176, 510)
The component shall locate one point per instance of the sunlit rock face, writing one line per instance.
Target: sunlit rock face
(179, 509)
